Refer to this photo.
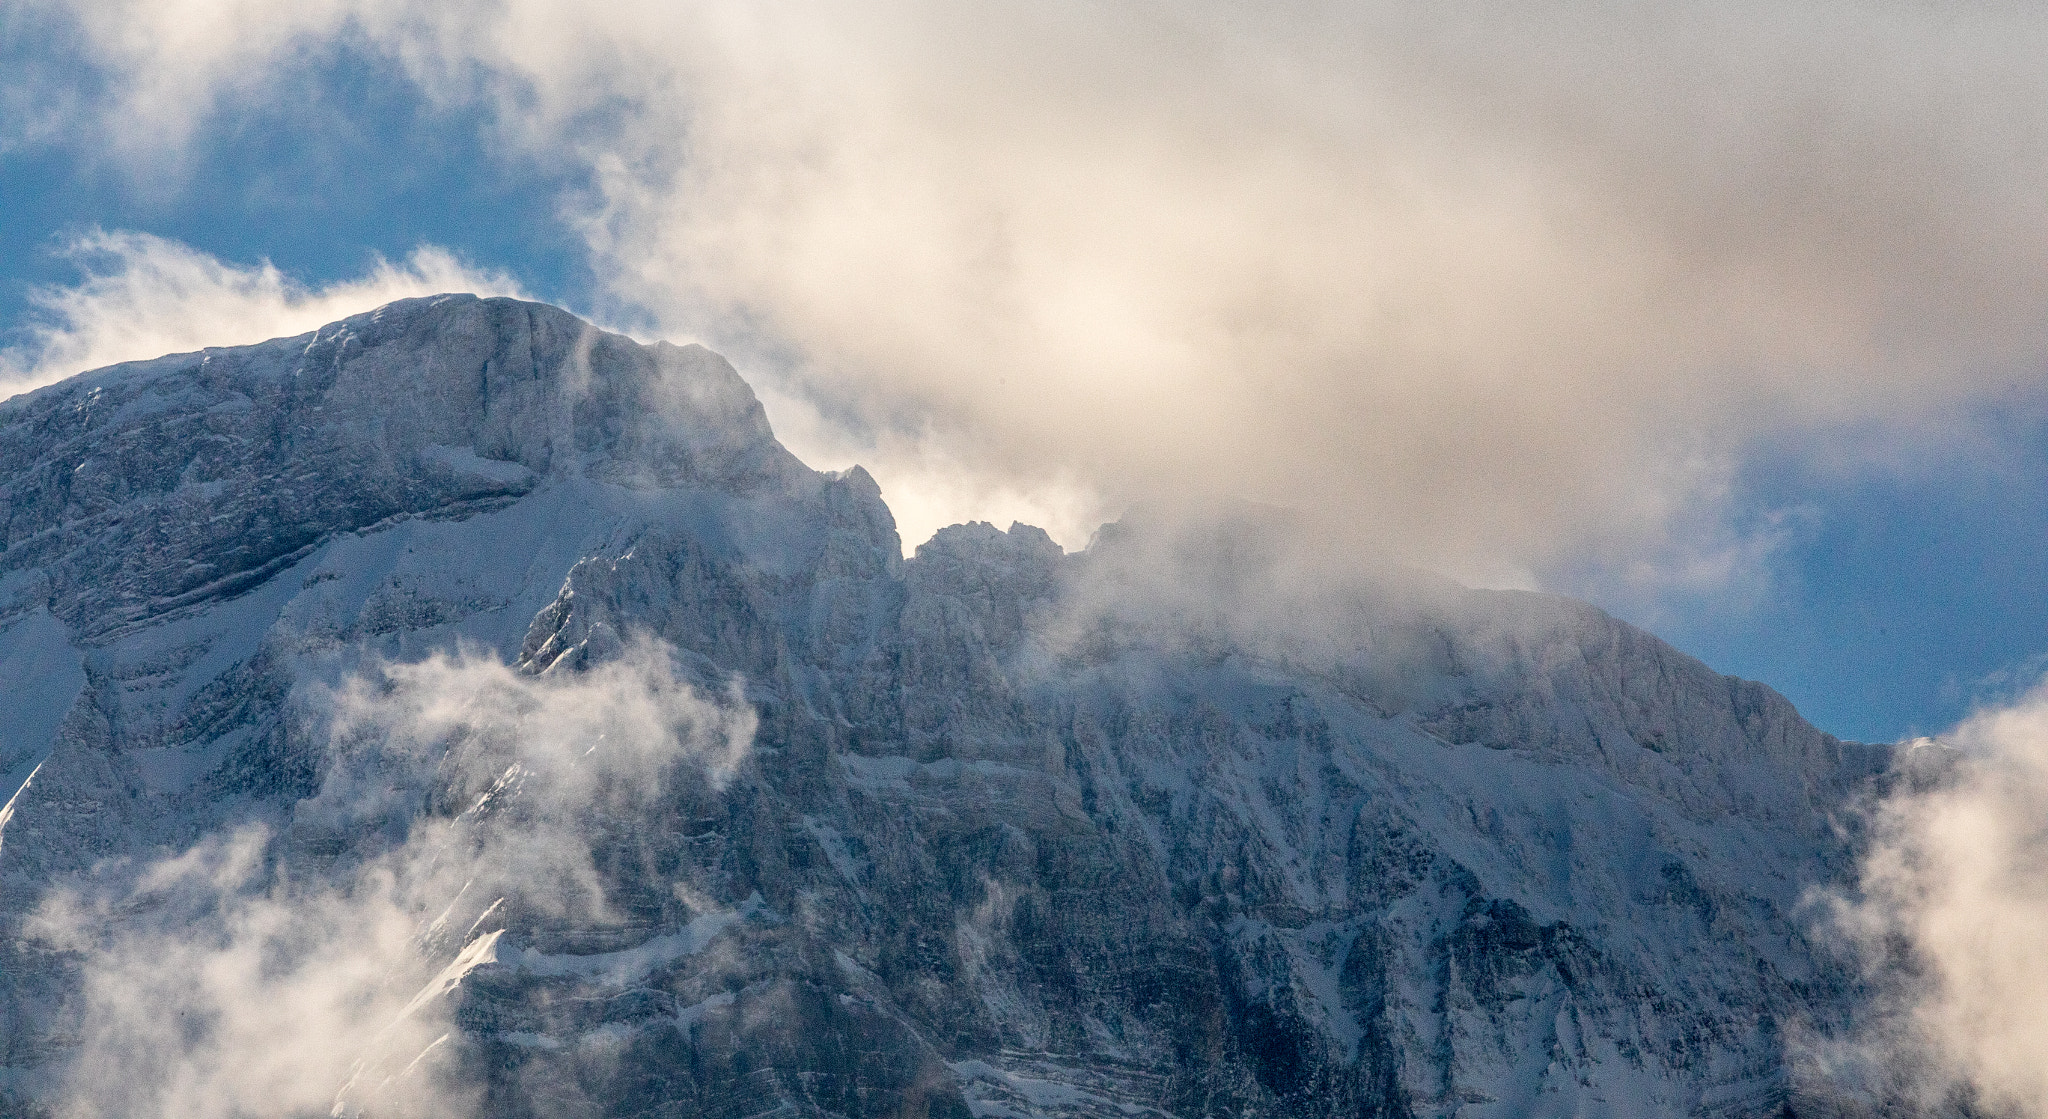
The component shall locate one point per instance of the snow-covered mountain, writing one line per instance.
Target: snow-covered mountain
(332, 666)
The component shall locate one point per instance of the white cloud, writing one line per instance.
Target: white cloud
(1953, 898)
(1489, 287)
(306, 969)
(144, 296)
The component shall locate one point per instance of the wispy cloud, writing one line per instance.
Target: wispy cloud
(1953, 897)
(143, 296)
(306, 967)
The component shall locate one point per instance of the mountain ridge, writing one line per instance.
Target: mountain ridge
(1018, 832)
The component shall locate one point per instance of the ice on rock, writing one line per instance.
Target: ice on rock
(1013, 839)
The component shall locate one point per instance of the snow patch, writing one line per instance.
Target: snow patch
(464, 463)
(630, 965)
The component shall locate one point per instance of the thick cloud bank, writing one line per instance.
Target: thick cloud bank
(1954, 901)
(1489, 286)
(301, 966)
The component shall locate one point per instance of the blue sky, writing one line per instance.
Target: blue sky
(1886, 592)
(1898, 604)
(348, 162)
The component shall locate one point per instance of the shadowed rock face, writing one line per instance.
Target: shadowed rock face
(1010, 841)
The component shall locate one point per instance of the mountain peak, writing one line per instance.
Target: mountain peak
(991, 831)
(440, 405)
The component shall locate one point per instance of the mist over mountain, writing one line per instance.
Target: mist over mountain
(462, 710)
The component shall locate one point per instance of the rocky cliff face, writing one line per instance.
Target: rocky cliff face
(1011, 832)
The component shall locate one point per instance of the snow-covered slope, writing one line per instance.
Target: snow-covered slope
(1015, 833)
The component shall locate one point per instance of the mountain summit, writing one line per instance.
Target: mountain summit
(463, 709)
